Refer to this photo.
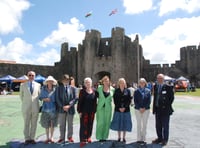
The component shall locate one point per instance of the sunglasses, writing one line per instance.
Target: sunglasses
(31, 75)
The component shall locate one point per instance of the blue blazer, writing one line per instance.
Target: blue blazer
(62, 99)
(142, 98)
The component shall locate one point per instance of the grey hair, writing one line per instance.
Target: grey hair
(122, 80)
(143, 80)
(88, 79)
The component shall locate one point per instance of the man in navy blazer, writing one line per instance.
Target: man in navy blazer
(66, 98)
(162, 108)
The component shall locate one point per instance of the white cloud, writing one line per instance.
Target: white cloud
(137, 6)
(167, 6)
(48, 57)
(22, 52)
(15, 50)
(10, 14)
(164, 43)
(69, 32)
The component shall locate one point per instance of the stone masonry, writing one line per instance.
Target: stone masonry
(116, 56)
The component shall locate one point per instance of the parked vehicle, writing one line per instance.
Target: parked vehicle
(181, 85)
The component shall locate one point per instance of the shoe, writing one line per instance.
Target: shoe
(47, 141)
(124, 140)
(164, 143)
(82, 144)
(89, 140)
(119, 139)
(141, 142)
(70, 139)
(60, 141)
(102, 140)
(144, 143)
(156, 141)
(51, 141)
(27, 142)
(32, 142)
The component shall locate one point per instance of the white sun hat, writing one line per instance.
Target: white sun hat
(50, 78)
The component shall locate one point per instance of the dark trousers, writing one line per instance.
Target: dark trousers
(162, 126)
(86, 126)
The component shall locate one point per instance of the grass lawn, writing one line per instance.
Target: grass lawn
(195, 93)
(11, 120)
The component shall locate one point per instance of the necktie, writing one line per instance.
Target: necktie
(158, 94)
(159, 88)
(31, 87)
(67, 92)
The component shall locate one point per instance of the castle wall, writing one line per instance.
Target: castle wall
(118, 53)
(189, 61)
(87, 54)
(113, 56)
(68, 62)
(18, 70)
(116, 56)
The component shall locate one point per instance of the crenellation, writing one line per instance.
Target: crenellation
(64, 49)
(116, 56)
(191, 47)
(92, 33)
(165, 65)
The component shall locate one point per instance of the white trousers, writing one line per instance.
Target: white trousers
(142, 119)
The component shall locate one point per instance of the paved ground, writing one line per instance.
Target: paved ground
(184, 130)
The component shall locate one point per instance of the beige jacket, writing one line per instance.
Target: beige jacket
(30, 102)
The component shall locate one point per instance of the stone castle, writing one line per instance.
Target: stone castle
(116, 56)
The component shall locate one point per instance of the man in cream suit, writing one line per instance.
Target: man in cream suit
(29, 93)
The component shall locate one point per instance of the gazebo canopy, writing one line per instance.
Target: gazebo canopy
(168, 78)
(181, 78)
(21, 79)
(39, 78)
(7, 78)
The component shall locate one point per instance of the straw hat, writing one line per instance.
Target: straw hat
(50, 78)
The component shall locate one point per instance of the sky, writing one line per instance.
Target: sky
(32, 31)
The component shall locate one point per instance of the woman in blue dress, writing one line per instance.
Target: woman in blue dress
(121, 121)
(48, 117)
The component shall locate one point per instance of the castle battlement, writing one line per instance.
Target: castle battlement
(191, 47)
(116, 56)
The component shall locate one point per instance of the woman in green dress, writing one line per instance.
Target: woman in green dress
(104, 109)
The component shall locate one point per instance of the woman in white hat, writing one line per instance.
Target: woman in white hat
(48, 116)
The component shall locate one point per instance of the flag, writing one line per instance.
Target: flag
(88, 14)
(113, 12)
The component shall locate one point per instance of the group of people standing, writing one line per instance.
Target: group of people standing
(58, 108)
